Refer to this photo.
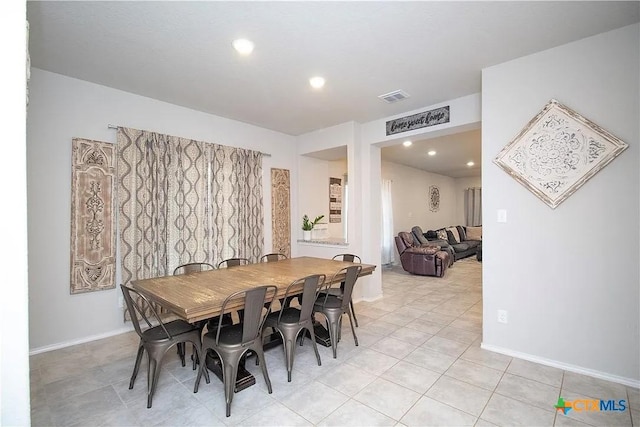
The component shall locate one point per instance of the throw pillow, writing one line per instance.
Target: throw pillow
(474, 233)
(461, 232)
(451, 238)
(442, 234)
(456, 236)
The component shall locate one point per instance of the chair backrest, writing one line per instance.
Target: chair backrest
(233, 262)
(138, 304)
(419, 235)
(256, 307)
(272, 257)
(310, 287)
(351, 275)
(192, 267)
(400, 245)
(348, 257)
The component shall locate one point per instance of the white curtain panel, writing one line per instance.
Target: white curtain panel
(388, 254)
(473, 206)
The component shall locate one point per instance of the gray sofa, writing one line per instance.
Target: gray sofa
(460, 248)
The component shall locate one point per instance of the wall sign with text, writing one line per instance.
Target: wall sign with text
(416, 121)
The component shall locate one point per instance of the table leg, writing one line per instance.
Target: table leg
(244, 378)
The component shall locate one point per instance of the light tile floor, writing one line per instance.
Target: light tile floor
(419, 363)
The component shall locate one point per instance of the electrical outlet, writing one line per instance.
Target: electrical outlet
(502, 316)
(502, 215)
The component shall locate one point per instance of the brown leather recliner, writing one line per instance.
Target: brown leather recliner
(425, 260)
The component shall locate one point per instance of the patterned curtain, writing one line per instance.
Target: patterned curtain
(236, 202)
(185, 201)
(473, 206)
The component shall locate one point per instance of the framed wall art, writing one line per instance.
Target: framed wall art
(557, 152)
(93, 230)
(434, 198)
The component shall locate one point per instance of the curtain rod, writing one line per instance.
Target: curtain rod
(110, 126)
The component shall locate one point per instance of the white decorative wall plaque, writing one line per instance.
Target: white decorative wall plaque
(557, 152)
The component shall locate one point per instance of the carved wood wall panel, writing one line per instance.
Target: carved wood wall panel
(93, 229)
(281, 211)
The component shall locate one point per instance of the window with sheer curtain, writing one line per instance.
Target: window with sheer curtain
(185, 201)
(387, 224)
(473, 206)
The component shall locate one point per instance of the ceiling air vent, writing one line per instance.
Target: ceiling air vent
(395, 96)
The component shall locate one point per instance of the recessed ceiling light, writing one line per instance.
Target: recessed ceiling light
(243, 46)
(470, 163)
(407, 143)
(431, 153)
(316, 82)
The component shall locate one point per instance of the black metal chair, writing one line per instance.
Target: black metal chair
(290, 321)
(156, 340)
(273, 257)
(334, 306)
(232, 342)
(233, 262)
(339, 291)
(192, 267)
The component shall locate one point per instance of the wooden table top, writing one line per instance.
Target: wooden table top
(199, 296)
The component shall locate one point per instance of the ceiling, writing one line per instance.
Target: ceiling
(180, 52)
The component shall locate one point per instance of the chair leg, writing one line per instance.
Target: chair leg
(313, 342)
(289, 346)
(353, 330)
(203, 366)
(334, 332)
(230, 371)
(153, 372)
(353, 312)
(136, 367)
(263, 366)
(181, 351)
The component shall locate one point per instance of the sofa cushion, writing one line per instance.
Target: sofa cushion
(472, 243)
(452, 238)
(456, 236)
(442, 234)
(407, 238)
(461, 247)
(474, 233)
(418, 235)
(461, 233)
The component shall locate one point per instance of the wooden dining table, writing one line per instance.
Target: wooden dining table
(199, 296)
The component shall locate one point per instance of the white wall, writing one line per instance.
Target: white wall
(14, 320)
(410, 195)
(62, 108)
(313, 196)
(568, 277)
(461, 185)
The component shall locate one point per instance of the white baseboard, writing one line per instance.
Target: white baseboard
(90, 338)
(565, 366)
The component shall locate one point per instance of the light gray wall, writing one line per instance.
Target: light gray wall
(568, 277)
(410, 197)
(62, 108)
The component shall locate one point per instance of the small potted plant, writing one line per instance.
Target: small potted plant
(307, 226)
